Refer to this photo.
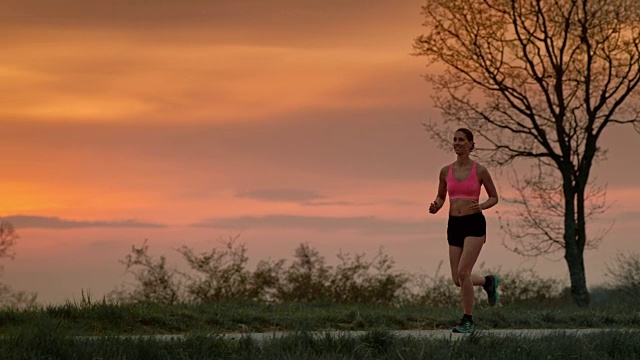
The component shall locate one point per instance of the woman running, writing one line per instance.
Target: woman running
(467, 227)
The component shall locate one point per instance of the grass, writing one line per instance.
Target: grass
(59, 332)
(135, 319)
(378, 344)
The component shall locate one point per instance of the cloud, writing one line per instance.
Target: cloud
(204, 61)
(292, 195)
(46, 222)
(332, 203)
(55, 80)
(628, 216)
(363, 224)
(300, 196)
(400, 202)
(252, 20)
(368, 145)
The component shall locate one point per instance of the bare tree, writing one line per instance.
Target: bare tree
(8, 237)
(538, 80)
(8, 296)
(535, 226)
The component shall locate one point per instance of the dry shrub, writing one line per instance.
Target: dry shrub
(625, 276)
(221, 274)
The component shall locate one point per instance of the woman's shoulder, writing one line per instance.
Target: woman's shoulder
(481, 169)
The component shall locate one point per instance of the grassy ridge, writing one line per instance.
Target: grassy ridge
(380, 344)
(112, 319)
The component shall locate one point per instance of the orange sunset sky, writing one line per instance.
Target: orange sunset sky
(284, 121)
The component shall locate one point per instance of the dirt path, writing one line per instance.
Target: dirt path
(437, 333)
(434, 334)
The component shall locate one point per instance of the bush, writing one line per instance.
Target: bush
(437, 290)
(221, 274)
(525, 285)
(625, 276)
(307, 279)
(156, 282)
(516, 286)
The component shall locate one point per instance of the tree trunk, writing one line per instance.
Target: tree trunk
(574, 250)
(575, 262)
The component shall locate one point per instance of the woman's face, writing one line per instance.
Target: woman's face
(460, 143)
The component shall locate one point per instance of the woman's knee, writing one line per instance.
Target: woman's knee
(464, 275)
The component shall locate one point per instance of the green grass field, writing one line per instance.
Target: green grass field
(112, 319)
(60, 332)
(136, 319)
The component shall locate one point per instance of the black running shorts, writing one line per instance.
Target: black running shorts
(460, 227)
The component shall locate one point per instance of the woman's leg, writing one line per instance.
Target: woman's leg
(468, 257)
(454, 260)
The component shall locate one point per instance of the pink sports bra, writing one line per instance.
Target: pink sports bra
(467, 189)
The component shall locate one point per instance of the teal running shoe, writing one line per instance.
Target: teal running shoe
(492, 289)
(465, 327)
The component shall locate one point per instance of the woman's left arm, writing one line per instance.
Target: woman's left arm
(489, 186)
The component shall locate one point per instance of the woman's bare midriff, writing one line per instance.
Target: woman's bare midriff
(460, 207)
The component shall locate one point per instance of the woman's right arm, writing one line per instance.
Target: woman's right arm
(442, 192)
